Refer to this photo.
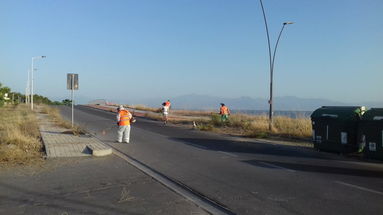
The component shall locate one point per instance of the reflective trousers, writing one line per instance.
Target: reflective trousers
(123, 132)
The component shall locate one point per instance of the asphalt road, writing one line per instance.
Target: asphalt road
(87, 186)
(247, 177)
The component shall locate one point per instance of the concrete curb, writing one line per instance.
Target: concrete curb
(98, 151)
(59, 144)
(202, 201)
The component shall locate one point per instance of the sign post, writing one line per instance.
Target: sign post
(72, 84)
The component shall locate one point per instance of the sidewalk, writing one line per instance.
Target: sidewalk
(60, 144)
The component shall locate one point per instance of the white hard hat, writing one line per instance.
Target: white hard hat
(121, 107)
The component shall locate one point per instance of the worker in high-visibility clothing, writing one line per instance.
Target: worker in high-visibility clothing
(165, 112)
(168, 104)
(224, 112)
(123, 121)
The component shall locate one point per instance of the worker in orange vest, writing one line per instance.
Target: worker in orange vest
(224, 112)
(165, 112)
(167, 103)
(123, 121)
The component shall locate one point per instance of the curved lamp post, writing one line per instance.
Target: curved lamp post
(33, 58)
(271, 63)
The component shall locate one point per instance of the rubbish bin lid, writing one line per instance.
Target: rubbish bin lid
(339, 112)
(373, 114)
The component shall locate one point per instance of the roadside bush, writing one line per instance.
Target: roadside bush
(216, 120)
(205, 127)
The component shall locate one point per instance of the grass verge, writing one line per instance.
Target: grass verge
(56, 116)
(19, 136)
(144, 108)
(258, 126)
(241, 124)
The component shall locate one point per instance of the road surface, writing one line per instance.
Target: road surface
(246, 177)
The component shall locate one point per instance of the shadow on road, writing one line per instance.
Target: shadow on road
(253, 148)
(278, 150)
(317, 168)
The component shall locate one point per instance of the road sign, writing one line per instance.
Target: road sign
(72, 81)
(72, 84)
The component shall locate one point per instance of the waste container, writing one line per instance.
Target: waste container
(335, 128)
(371, 133)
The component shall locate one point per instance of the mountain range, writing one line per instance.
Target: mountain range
(285, 103)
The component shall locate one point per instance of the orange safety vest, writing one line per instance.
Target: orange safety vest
(224, 110)
(124, 118)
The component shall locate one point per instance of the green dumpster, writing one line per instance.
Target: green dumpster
(335, 128)
(371, 133)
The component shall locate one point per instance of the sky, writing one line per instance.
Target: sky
(126, 50)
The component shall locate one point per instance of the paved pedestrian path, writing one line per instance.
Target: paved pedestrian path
(59, 143)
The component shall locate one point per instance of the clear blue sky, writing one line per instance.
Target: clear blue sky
(130, 49)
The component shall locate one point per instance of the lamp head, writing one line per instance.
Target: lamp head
(288, 23)
(39, 57)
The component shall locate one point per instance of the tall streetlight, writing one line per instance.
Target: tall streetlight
(33, 58)
(271, 63)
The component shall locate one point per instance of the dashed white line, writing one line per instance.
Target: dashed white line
(227, 153)
(275, 166)
(359, 187)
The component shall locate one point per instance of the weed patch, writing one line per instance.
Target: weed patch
(238, 124)
(56, 116)
(19, 135)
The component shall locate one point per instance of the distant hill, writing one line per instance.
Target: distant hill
(287, 103)
(205, 102)
(374, 104)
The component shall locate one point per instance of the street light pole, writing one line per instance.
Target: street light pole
(271, 111)
(33, 58)
(271, 63)
(270, 66)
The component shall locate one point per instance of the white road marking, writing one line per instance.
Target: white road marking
(275, 166)
(359, 187)
(227, 153)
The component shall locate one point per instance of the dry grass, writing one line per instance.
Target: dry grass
(174, 112)
(288, 127)
(193, 112)
(258, 126)
(144, 108)
(241, 124)
(19, 136)
(56, 116)
(175, 119)
(154, 116)
(238, 124)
